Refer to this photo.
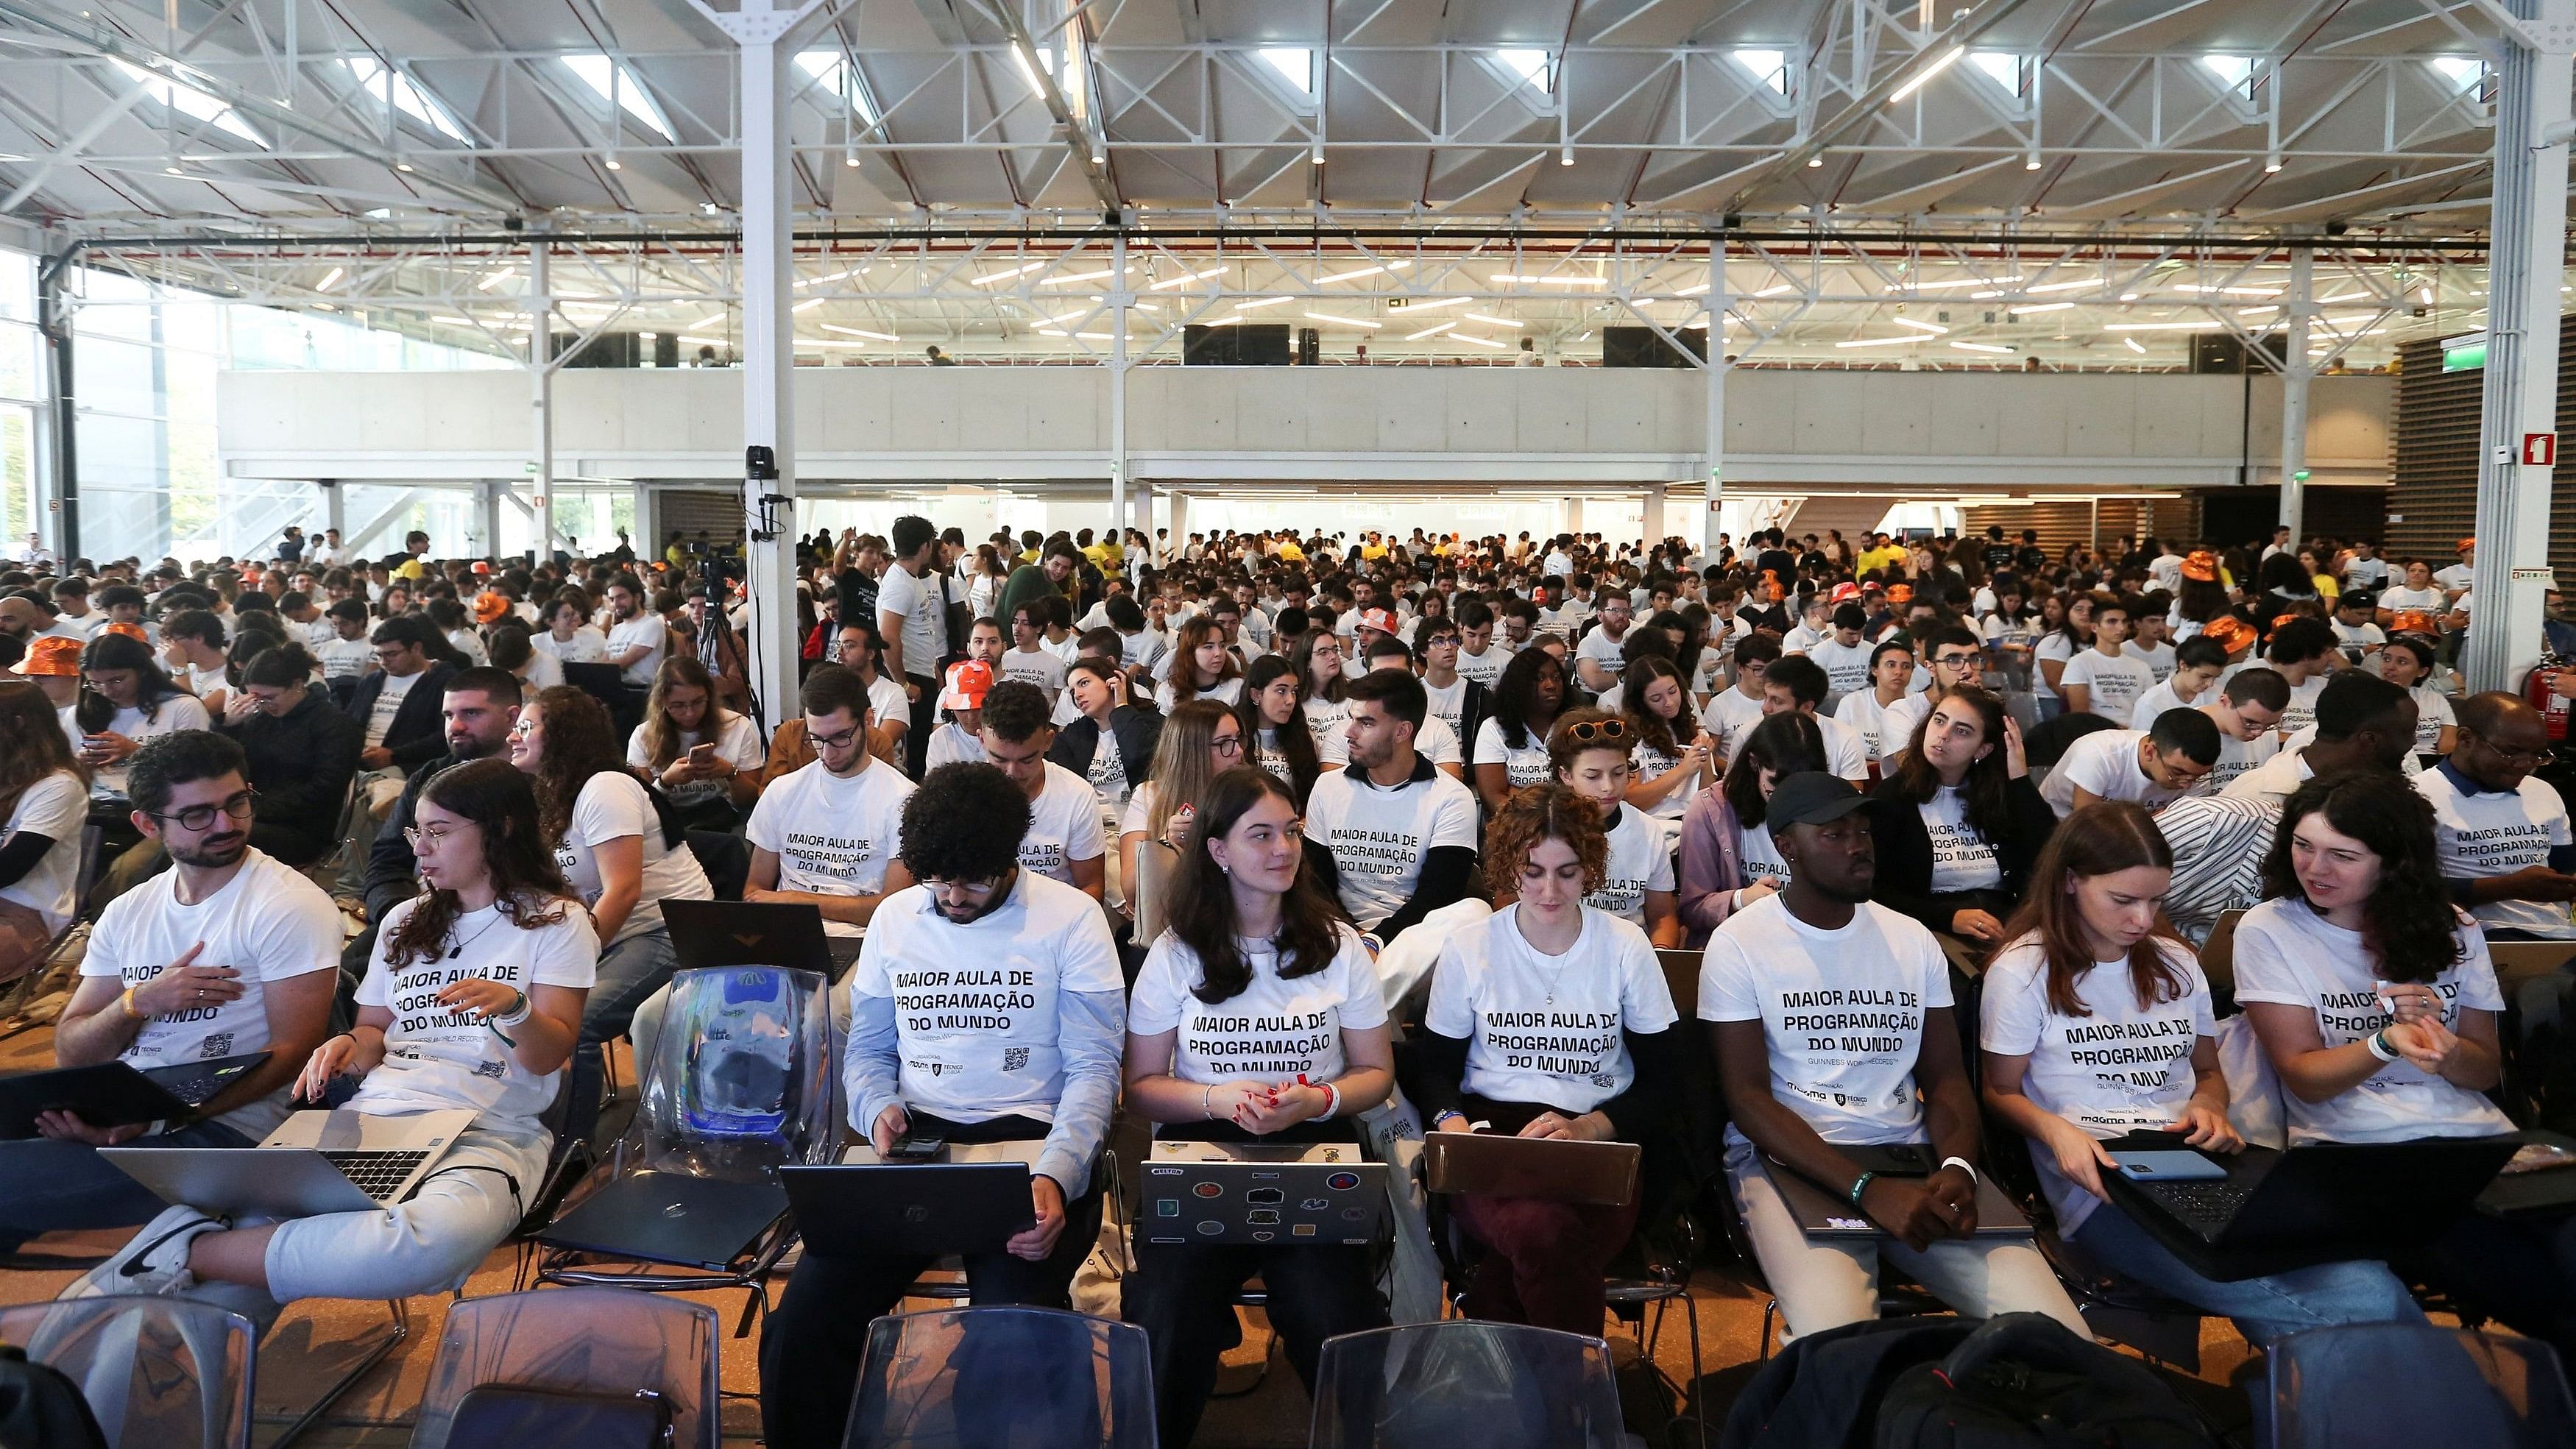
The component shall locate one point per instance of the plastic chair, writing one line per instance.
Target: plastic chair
(1496, 1385)
(2218, 961)
(580, 1340)
(2412, 1383)
(1004, 1378)
(157, 1372)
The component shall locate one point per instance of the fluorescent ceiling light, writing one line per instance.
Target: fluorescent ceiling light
(1880, 341)
(1948, 58)
(1489, 321)
(1069, 278)
(989, 278)
(1933, 328)
(2134, 345)
(1979, 347)
(1956, 282)
(1438, 302)
(1782, 290)
(861, 332)
(1364, 272)
(1478, 341)
(1250, 303)
(1344, 321)
(2039, 307)
(807, 305)
(1185, 278)
(596, 72)
(1432, 331)
(2062, 286)
(329, 280)
(191, 102)
(455, 321)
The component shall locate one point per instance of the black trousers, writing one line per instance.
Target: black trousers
(916, 738)
(813, 1344)
(1182, 1296)
(2520, 1270)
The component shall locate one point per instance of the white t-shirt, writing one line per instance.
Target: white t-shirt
(647, 630)
(268, 922)
(2114, 683)
(2057, 645)
(389, 700)
(2104, 762)
(1224, 691)
(57, 808)
(2301, 711)
(975, 1005)
(1488, 667)
(1641, 860)
(2117, 1069)
(1037, 666)
(1846, 754)
(1108, 773)
(2237, 758)
(2288, 955)
(2358, 640)
(2433, 714)
(925, 618)
(586, 646)
(611, 806)
(1603, 650)
(1379, 837)
(470, 644)
(343, 658)
(2151, 706)
(1328, 720)
(1962, 860)
(2490, 833)
(1730, 714)
(1757, 855)
(2159, 660)
(2401, 597)
(1064, 825)
(1842, 1012)
(1884, 730)
(950, 745)
(436, 1059)
(1274, 1030)
(832, 835)
(738, 741)
(1545, 1029)
(1449, 706)
(178, 712)
(1524, 766)
(1846, 666)
(1645, 763)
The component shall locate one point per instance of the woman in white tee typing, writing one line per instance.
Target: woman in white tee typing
(473, 1001)
(1549, 1018)
(2376, 1002)
(2098, 1024)
(1257, 1018)
(1591, 748)
(1672, 752)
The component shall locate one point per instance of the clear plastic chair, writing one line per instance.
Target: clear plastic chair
(2413, 1383)
(740, 1079)
(1495, 1385)
(1003, 1378)
(578, 1340)
(158, 1372)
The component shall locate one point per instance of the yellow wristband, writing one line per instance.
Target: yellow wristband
(126, 1003)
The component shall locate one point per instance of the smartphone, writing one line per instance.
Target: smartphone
(701, 756)
(2167, 1167)
(916, 1147)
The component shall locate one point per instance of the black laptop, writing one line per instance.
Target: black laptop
(606, 682)
(756, 933)
(669, 1217)
(117, 1094)
(972, 1199)
(2321, 1203)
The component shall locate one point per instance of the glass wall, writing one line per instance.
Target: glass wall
(22, 393)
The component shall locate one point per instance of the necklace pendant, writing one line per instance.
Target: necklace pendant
(455, 952)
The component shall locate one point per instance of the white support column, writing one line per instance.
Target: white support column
(643, 535)
(1650, 518)
(1720, 302)
(760, 29)
(1121, 295)
(2301, 306)
(335, 507)
(541, 375)
(2525, 268)
(487, 517)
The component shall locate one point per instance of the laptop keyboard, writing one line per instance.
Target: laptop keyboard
(198, 1089)
(378, 1174)
(2211, 1205)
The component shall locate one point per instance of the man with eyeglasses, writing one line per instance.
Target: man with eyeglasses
(1400, 833)
(2500, 834)
(227, 953)
(825, 835)
(1458, 702)
(986, 1006)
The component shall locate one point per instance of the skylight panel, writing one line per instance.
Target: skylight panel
(191, 102)
(629, 94)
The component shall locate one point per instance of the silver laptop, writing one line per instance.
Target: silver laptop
(315, 1162)
(1248, 1193)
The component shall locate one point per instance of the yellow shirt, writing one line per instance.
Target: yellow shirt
(1373, 552)
(409, 569)
(1882, 558)
(1291, 553)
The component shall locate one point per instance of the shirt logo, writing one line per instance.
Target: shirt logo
(220, 1044)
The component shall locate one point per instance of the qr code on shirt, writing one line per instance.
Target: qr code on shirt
(218, 1045)
(1015, 1058)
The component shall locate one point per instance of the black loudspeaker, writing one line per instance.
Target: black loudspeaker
(2222, 352)
(1310, 346)
(1263, 344)
(1641, 347)
(608, 349)
(666, 349)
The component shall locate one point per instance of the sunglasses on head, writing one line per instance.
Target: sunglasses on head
(1586, 731)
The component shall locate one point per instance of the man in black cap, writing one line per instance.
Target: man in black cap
(1831, 1018)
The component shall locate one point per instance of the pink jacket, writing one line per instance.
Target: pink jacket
(1709, 875)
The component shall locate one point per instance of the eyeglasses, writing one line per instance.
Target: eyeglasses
(1227, 744)
(419, 837)
(1955, 661)
(1586, 731)
(841, 741)
(2526, 759)
(198, 817)
(967, 887)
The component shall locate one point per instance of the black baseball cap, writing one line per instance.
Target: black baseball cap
(1811, 797)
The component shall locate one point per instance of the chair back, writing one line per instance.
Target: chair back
(158, 1373)
(1150, 893)
(2517, 962)
(739, 1082)
(1495, 1385)
(578, 1340)
(93, 843)
(1072, 1381)
(2218, 956)
(2414, 1383)
(1681, 975)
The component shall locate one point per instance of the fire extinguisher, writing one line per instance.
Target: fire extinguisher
(2554, 707)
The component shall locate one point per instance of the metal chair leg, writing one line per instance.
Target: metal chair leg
(398, 1329)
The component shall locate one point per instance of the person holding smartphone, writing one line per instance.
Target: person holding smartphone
(2097, 1023)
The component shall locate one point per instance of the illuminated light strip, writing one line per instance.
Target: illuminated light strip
(861, 332)
(2039, 307)
(1961, 282)
(1551, 281)
(1185, 278)
(1261, 302)
(1979, 347)
(1879, 341)
(989, 278)
(1429, 332)
(1344, 321)
(1933, 328)
(1489, 321)
(1363, 272)
(1069, 278)
(2061, 287)
(1411, 306)
(1924, 76)
(1479, 341)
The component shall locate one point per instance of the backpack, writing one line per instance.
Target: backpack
(513, 1414)
(1821, 1390)
(2022, 1381)
(41, 1409)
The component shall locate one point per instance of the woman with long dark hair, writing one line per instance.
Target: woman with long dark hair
(1727, 859)
(125, 699)
(704, 756)
(1273, 719)
(622, 861)
(1202, 667)
(2093, 960)
(1511, 745)
(1671, 750)
(1962, 820)
(2375, 1000)
(1252, 943)
(472, 1001)
(1549, 957)
(1320, 658)
(44, 795)
(2071, 635)
(302, 751)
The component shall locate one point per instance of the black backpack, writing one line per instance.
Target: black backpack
(41, 1409)
(1821, 1391)
(534, 1418)
(2022, 1381)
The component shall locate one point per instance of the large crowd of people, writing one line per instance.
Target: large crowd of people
(1933, 818)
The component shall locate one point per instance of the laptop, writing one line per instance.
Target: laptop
(117, 1094)
(1557, 1169)
(971, 1198)
(2321, 1203)
(316, 1162)
(756, 933)
(1826, 1215)
(606, 682)
(1253, 1193)
(669, 1217)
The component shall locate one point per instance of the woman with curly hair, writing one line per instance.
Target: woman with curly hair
(1202, 667)
(473, 1001)
(2376, 1002)
(1511, 745)
(622, 860)
(1547, 957)
(1253, 941)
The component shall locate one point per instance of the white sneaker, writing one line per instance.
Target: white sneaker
(155, 1262)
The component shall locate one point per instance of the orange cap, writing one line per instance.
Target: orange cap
(2412, 621)
(2200, 566)
(1900, 593)
(2232, 633)
(2466, 544)
(490, 608)
(969, 680)
(130, 631)
(52, 654)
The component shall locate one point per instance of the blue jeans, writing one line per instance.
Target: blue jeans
(629, 971)
(47, 1186)
(2358, 1291)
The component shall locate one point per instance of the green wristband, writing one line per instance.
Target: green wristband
(1860, 1185)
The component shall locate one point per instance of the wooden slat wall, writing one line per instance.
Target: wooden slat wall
(2435, 497)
